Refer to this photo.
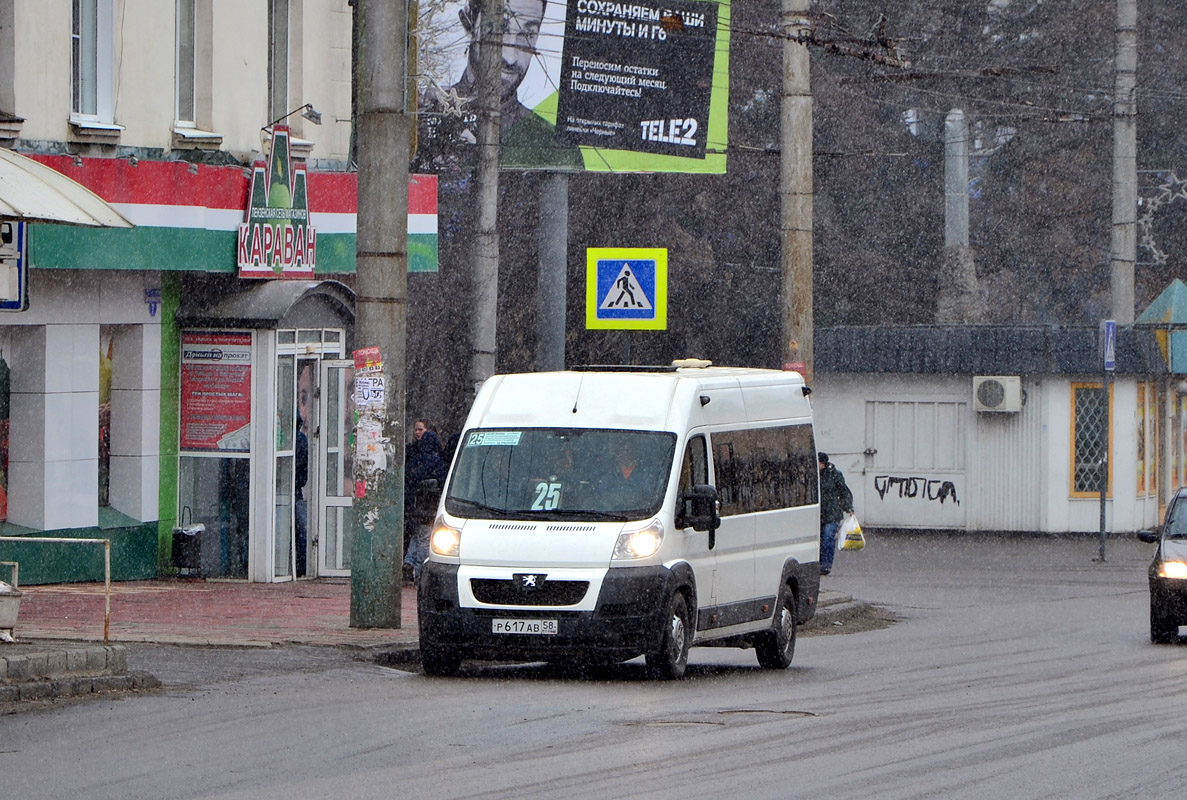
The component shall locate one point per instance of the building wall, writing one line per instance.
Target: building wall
(917, 455)
(232, 80)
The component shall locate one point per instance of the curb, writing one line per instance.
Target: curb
(69, 672)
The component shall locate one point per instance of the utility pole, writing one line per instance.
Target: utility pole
(553, 245)
(795, 188)
(486, 236)
(382, 312)
(959, 298)
(1125, 163)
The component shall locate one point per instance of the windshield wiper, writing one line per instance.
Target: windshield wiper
(475, 506)
(587, 514)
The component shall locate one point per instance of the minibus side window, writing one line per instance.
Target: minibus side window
(725, 471)
(762, 469)
(695, 469)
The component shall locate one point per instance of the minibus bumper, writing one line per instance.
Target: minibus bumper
(625, 623)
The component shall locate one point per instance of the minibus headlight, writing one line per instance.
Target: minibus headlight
(639, 542)
(1173, 569)
(445, 540)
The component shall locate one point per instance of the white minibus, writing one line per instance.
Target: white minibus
(600, 514)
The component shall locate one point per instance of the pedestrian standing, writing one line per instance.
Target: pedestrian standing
(835, 501)
(424, 476)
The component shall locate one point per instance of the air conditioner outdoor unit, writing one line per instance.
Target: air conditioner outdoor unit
(997, 393)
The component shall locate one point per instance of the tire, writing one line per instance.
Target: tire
(776, 647)
(1164, 629)
(439, 662)
(670, 658)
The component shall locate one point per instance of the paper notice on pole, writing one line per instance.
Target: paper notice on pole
(372, 450)
(368, 391)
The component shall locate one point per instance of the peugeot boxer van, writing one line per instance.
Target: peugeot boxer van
(605, 513)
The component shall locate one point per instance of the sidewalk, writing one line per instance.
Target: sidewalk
(200, 612)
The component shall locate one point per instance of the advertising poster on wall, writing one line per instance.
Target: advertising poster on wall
(587, 85)
(216, 391)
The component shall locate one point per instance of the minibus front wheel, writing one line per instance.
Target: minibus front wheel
(669, 659)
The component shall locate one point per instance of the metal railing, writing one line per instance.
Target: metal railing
(106, 569)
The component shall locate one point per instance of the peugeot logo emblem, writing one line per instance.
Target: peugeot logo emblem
(530, 580)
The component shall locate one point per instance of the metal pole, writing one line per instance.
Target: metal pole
(795, 188)
(106, 591)
(1125, 177)
(1104, 464)
(382, 311)
(65, 540)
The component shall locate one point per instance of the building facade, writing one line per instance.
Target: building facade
(146, 385)
(1000, 428)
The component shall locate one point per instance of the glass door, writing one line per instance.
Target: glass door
(286, 449)
(336, 455)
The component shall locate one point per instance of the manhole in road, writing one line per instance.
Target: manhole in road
(769, 711)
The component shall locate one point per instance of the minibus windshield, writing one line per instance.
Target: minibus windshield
(560, 473)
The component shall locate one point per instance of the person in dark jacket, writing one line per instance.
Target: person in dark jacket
(835, 501)
(424, 476)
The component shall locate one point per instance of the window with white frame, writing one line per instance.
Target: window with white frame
(91, 47)
(186, 64)
(278, 58)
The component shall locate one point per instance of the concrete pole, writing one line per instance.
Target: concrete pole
(959, 299)
(486, 235)
(553, 274)
(795, 189)
(956, 179)
(1125, 163)
(382, 311)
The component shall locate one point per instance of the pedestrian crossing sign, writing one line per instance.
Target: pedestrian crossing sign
(626, 288)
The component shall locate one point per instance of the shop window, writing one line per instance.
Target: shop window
(214, 482)
(91, 47)
(1146, 438)
(214, 500)
(1090, 438)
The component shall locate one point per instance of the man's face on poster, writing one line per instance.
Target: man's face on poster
(522, 29)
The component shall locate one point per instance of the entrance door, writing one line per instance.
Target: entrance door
(915, 474)
(296, 410)
(334, 450)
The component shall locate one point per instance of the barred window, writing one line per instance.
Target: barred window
(1090, 437)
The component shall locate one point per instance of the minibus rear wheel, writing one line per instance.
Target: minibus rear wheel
(776, 647)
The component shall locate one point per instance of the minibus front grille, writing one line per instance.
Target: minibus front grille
(514, 593)
(570, 528)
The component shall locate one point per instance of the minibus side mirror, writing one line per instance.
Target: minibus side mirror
(700, 510)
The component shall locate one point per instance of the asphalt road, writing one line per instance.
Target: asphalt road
(1016, 668)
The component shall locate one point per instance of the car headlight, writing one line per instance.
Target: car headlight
(445, 540)
(1173, 569)
(634, 544)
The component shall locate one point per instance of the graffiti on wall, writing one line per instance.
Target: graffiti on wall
(920, 488)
